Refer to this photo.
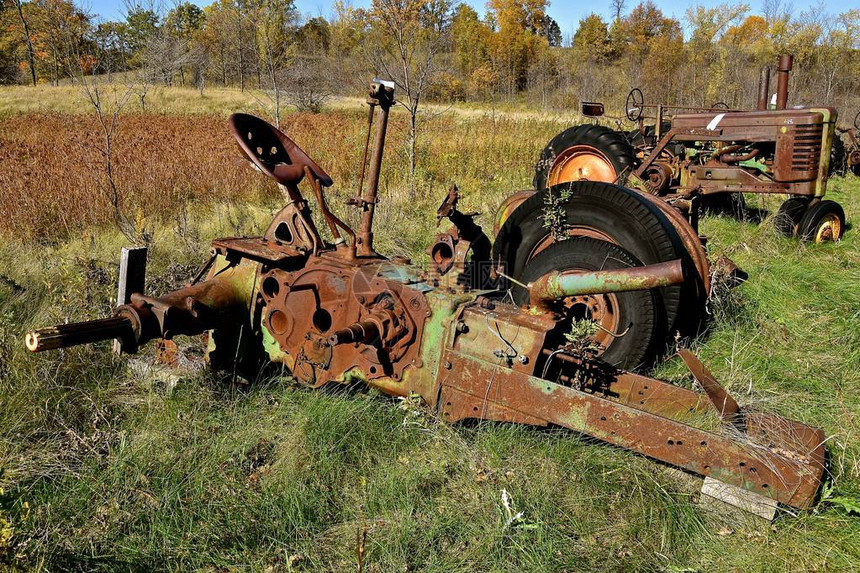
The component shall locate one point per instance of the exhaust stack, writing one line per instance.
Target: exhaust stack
(783, 71)
(763, 88)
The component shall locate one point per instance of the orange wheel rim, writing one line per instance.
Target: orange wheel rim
(829, 229)
(603, 310)
(581, 162)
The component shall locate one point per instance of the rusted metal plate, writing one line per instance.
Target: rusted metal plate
(791, 477)
(723, 403)
(256, 248)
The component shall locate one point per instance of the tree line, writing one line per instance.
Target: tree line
(441, 50)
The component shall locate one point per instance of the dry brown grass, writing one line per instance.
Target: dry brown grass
(53, 182)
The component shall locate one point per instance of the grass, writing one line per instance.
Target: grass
(109, 466)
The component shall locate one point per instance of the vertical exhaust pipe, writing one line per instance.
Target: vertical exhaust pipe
(763, 88)
(381, 95)
(783, 70)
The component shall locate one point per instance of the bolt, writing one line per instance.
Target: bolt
(448, 365)
(524, 359)
(462, 326)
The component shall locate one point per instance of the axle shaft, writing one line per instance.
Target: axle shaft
(65, 335)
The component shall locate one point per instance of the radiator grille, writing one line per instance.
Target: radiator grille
(807, 147)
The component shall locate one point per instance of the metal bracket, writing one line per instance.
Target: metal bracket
(132, 279)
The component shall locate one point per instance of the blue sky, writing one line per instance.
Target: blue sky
(566, 12)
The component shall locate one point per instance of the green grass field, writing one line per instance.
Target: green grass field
(108, 464)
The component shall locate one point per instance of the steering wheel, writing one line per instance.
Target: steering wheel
(634, 105)
(272, 152)
(857, 121)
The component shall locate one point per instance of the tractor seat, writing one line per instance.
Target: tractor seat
(272, 152)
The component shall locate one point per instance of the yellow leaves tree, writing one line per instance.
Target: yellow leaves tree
(518, 40)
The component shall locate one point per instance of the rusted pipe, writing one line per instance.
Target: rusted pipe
(370, 109)
(65, 335)
(726, 149)
(365, 332)
(763, 88)
(782, 73)
(727, 154)
(331, 219)
(557, 285)
(735, 158)
(383, 96)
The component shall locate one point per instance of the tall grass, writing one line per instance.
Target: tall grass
(107, 464)
(53, 178)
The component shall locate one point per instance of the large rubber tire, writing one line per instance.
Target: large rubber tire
(838, 159)
(731, 204)
(619, 215)
(635, 312)
(788, 217)
(823, 222)
(607, 145)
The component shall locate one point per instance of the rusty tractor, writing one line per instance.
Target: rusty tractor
(708, 157)
(848, 158)
(326, 308)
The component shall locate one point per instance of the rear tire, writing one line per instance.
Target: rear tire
(590, 152)
(823, 222)
(615, 214)
(633, 315)
(732, 204)
(837, 156)
(789, 215)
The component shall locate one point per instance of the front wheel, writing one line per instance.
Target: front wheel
(788, 217)
(823, 222)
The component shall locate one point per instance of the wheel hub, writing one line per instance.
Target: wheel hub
(581, 162)
(829, 228)
(602, 310)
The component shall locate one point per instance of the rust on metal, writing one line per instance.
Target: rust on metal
(783, 70)
(339, 313)
(557, 285)
(723, 403)
(786, 470)
(75, 333)
(763, 89)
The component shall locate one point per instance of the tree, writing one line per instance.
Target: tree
(591, 39)
(410, 37)
(618, 9)
(519, 35)
(470, 48)
(275, 25)
(839, 52)
(314, 36)
(111, 42)
(140, 25)
(653, 49)
(62, 30)
(714, 67)
(552, 32)
(25, 28)
(183, 23)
